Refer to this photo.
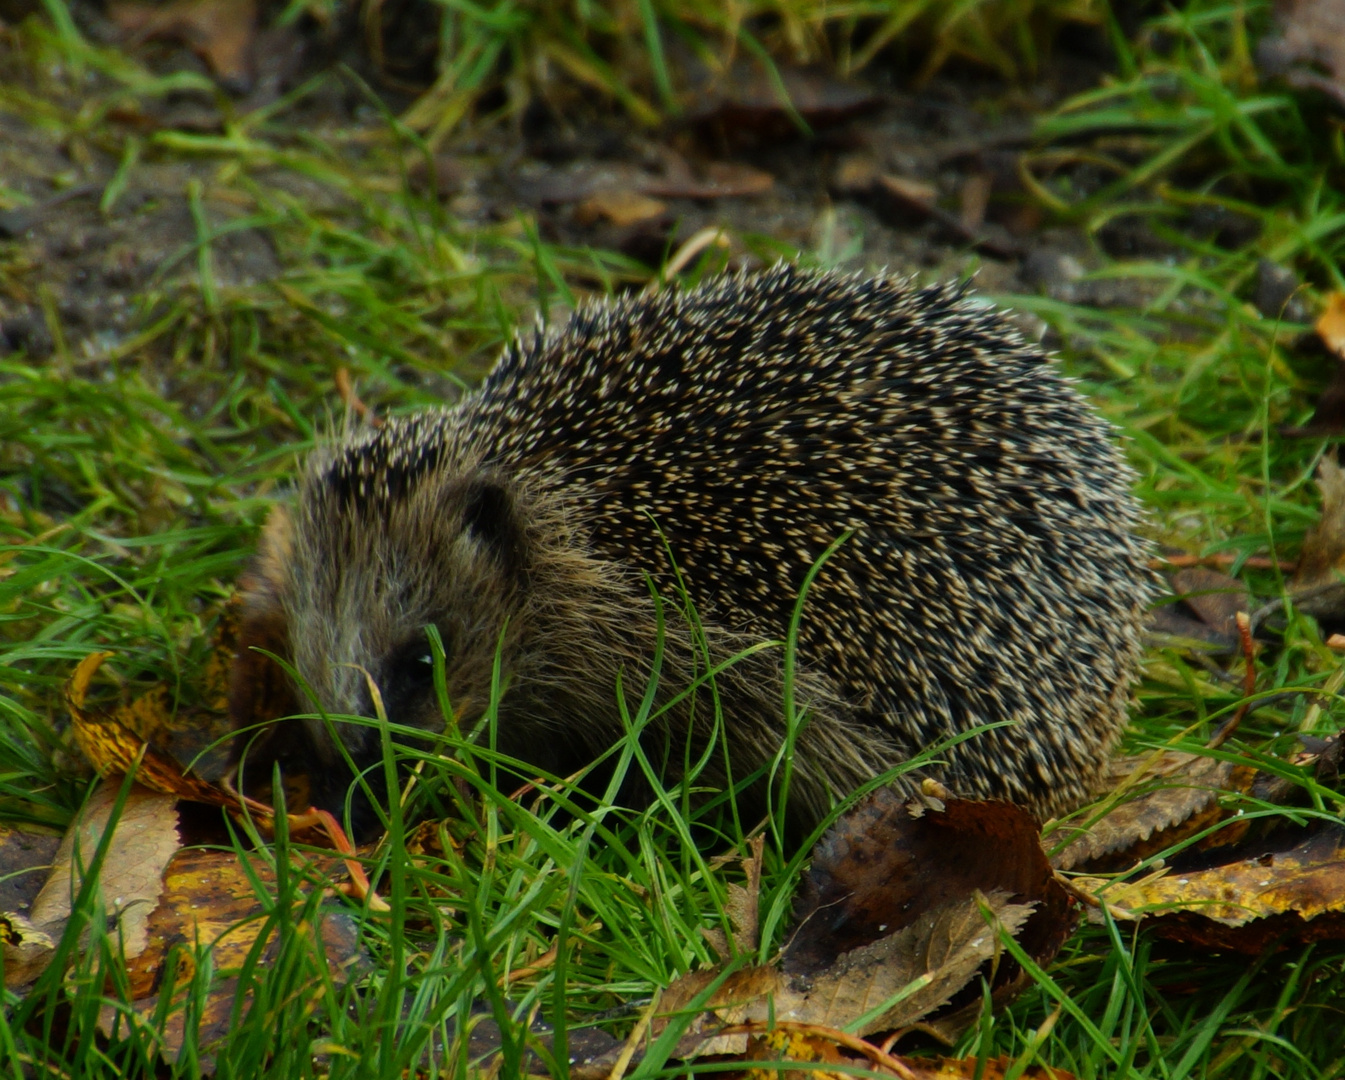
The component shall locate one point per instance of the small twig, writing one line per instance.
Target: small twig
(262, 811)
(540, 964)
(627, 1054)
(1091, 900)
(346, 389)
(698, 242)
(1248, 683)
(1222, 558)
(359, 881)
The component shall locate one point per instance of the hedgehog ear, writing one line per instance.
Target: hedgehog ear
(490, 517)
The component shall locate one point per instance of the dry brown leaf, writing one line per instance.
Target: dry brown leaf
(1163, 790)
(905, 197)
(220, 32)
(744, 103)
(210, 901)
(892, 909)
(855, 174)
(144, 838)
(720, 180)
(727, 1005)
(912, 194)
(942, 950)
(115, 744)
(1295, 890)
(622, 208)
(1175, 627)
(915, 971)
(887, 984)
(1216, 598)
(1318, 588)
(887, 862)
(1330, 325)
(741, 907)
(974, 200)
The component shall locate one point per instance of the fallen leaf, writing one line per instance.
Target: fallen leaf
(917, 969)
(621, 208)
(903, 197)
(1161, 791)
(974, 200)
(903, 906)
(1175, 628)
(220, 32)
(210, 902)
(719, 180)
(855, 174)
(144, 838)
(1318, 588)
(1291, 890)
(727, 1004)
(914, 195)
(887, 984)
(746, 103)
(120, 742)
(888, 862)
(113, 742)
(27, 950)
(740, 905)
(1330, 325)
(1216, 598)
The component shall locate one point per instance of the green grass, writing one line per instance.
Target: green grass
(132, 486)
(649, 56)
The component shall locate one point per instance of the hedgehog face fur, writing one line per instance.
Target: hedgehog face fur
(993, 573)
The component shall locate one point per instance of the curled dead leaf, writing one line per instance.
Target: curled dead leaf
(113, 746)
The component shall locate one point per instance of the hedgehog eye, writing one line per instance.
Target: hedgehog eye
(408, 674)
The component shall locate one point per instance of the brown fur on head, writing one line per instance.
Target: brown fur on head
(373, 554)
(259, 688)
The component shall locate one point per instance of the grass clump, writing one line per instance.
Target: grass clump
(657, 57)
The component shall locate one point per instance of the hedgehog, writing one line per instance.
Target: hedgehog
(638, 496)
